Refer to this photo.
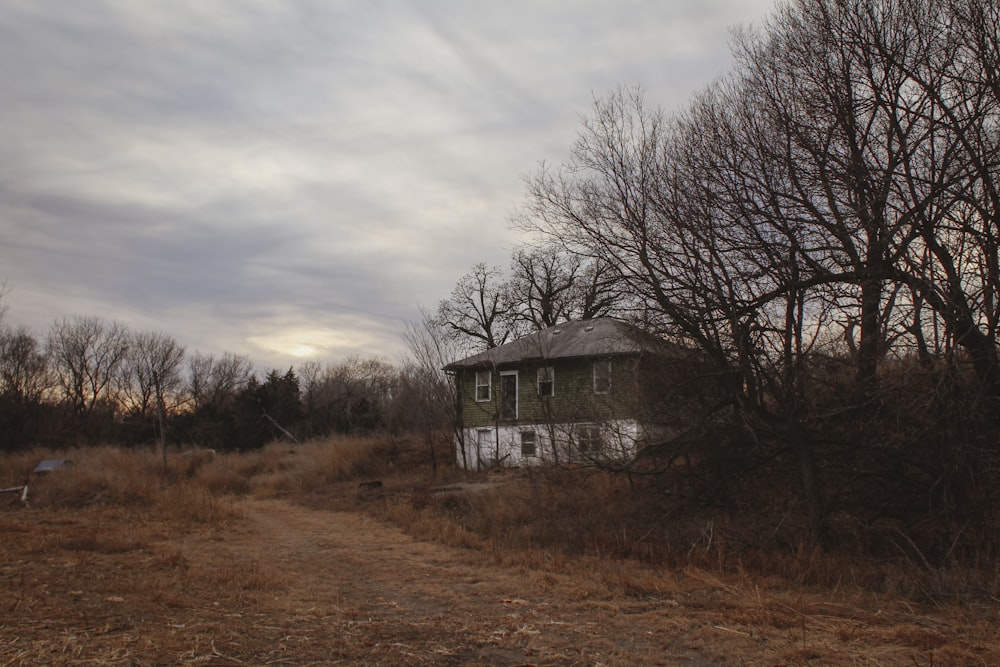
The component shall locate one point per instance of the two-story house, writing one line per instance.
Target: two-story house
(588, 391)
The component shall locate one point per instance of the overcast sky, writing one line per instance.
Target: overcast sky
(292, 179)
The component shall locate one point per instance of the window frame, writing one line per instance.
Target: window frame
(602, 381)
(589, 440)
(488, 386)
(533, 437)
(517, 391)
(550, 372)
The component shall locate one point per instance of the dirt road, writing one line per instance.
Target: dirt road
(367, 593)
(287, 585)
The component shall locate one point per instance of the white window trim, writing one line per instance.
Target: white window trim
(606, 365)
(552, 380)
(488, 385)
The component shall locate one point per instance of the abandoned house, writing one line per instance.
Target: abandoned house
(590, 391)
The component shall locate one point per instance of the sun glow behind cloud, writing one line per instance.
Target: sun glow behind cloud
(338, 336)
(300, 344)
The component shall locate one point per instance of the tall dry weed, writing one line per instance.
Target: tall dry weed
(580, 513)
(134, 480)
(280, 469)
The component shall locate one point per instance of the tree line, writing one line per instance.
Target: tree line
(822, 225)
(91, 380)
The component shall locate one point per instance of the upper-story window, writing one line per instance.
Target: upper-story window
(602, 377)
(546, 381)
(484, 381)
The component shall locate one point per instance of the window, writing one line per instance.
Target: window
(508, 395)
(589, 440)
(483, 382)
(546, 381)
(602, 377)
(528, 447)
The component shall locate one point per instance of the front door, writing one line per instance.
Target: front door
(485, 442)
(508, 395)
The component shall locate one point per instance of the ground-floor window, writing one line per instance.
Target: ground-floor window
(528, 444)
(589, 440)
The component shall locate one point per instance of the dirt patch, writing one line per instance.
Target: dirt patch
(280, 584)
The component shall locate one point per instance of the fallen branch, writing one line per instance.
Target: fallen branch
(281, 428)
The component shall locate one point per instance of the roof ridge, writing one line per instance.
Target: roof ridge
(611, 336)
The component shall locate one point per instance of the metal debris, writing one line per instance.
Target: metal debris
(48, 465)
(15, 489)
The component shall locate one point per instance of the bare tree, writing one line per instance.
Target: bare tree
(151, 372)
(480, 309)
(883, 115)
(214, 382)
(351, 396)
(431, 396)
(150, 378)
(24, 372)
(24, 380)
(86, 354)
(541, 285)
(615, 199)
(550, 285)
(952, 265)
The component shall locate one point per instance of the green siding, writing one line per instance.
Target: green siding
(573, 400)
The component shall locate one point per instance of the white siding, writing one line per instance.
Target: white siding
(502, 445)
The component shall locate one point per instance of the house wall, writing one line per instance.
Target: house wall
(654, 397)
(574, 398)
(489, 446)
(561, 422)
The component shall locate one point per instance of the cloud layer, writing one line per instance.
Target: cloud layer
(293, 178)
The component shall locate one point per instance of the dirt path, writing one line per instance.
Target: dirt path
(287, 585)
(360, 587)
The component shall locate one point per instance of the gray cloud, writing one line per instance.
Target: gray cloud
(272, 177)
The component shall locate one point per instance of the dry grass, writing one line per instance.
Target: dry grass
(125, 480)
(532, 518)
(119, 522)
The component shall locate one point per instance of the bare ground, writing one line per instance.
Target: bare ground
(279, 584)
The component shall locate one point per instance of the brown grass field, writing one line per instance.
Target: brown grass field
(277, 557)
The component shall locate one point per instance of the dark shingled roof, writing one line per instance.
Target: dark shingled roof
(586, 338)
